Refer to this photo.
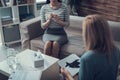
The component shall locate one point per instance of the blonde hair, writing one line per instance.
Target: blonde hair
(97, 34)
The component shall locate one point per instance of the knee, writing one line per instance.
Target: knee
(48, 43)
(55, 44)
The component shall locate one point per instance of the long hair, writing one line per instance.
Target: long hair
(48, 1)
(97, 34)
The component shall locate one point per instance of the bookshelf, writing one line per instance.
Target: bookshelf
(12, 13)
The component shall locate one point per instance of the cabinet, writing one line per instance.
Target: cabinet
(12, 13)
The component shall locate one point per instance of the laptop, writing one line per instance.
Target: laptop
(51, 73)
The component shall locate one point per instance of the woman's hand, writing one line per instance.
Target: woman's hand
(48, 21)
(56, 17)
(66, 74)
(51, 16)
(58, 20)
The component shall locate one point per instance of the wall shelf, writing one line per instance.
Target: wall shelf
(12, 13)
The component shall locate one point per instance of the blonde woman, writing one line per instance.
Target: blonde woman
(101, 59)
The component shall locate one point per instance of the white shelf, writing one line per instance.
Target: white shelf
(17, 41)
(26, 4)
(14, 14)
(14, 23)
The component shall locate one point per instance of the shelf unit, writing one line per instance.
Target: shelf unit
(12, 13)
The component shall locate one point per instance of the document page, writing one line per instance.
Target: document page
(71, 63)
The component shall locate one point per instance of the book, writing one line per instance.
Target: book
(71, 63)
(6, 20)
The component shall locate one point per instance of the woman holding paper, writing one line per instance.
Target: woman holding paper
(54, 17)
(102, 57)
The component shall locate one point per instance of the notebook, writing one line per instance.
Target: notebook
(51, 73)
(71, 63)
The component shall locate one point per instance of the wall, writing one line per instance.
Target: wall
(108, 8)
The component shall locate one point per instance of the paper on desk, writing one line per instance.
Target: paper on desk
(71, 63)
(25, 75)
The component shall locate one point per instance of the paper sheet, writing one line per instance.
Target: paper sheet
(71, 63)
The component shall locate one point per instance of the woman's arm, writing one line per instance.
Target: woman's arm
(44, 22)
(58, 20)
(67, 16)
(66, 20)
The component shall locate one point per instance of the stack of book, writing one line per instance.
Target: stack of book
(6, 20)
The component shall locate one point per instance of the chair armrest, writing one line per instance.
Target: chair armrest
(29, 30)
(115, 28)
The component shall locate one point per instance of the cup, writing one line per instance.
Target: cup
(11, 59)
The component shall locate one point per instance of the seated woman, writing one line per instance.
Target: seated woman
(102, 57)
(54, 17)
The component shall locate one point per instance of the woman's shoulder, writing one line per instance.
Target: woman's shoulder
(45, 6)
(64, 5)
(90, 55)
